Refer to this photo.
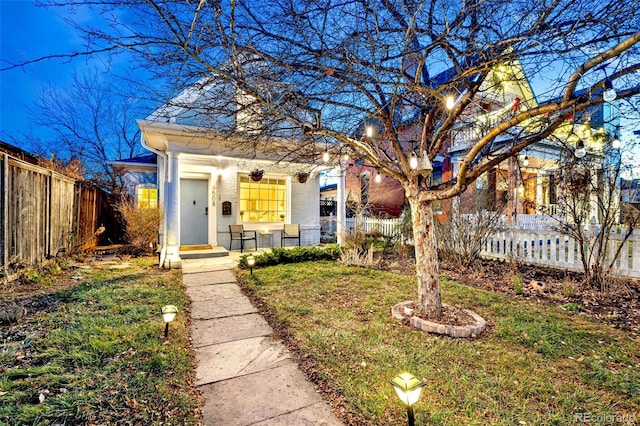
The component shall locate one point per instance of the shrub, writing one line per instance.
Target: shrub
(293, 255)
(141, 226)
(518, 286)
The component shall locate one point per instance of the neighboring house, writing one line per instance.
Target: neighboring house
(204, 180)
(141, 178)
(528, 184)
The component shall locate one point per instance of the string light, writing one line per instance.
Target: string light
(450, 102)
(413, 160)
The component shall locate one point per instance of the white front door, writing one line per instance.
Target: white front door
(194, 212)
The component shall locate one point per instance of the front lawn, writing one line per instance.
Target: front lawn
(537, 365)
(94, 353)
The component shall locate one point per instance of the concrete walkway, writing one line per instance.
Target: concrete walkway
(246, 377)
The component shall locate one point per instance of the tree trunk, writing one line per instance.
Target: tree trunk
(424, 239)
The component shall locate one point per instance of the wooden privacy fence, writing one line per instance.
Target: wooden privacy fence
(550, 248)
(43, 212)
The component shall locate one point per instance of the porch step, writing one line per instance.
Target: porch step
(203, 253)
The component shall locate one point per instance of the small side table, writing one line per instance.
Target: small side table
(264, 236)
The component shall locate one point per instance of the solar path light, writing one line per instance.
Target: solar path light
(408, 388)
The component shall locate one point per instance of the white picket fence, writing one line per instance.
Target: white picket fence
(540, 246)
(386, 227)
(550, 248)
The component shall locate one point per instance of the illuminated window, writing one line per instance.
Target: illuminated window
(147, 198)
(263, 201)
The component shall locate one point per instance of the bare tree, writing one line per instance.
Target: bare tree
(331, 68)
(600, 239)
(91, 121)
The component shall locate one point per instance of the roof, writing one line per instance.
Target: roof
(149, 160)
(140, 159)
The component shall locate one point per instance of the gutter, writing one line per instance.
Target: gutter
(163, 155)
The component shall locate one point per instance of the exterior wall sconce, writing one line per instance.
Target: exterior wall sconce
(525, 161)
(408, 388)
(168, 315)
(251, 261)
(326, 157)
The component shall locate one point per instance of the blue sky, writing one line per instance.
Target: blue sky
(28, 32)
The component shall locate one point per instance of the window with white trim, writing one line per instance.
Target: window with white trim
(263, 201)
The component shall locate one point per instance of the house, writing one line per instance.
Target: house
(207, 174)
(528, 184)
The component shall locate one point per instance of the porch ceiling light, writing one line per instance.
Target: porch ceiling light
(408, 387)
(168, 315)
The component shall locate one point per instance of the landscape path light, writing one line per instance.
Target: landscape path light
(408, 388)
(251, 261)
(168, 315)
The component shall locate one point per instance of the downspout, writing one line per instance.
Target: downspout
(163, 155)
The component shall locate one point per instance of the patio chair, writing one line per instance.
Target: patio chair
(238, 233)
(290, 231)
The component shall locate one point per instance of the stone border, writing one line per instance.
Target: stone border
(402, 312)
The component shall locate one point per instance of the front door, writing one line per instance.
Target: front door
(194, 211)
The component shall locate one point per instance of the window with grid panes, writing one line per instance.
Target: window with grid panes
(263, 201)
(147, 198)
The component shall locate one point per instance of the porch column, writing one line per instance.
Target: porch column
(172, 211)
(341, 213)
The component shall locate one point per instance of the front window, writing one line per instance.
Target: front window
(263, 201)
(147, 198)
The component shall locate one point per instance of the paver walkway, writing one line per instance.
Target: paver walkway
(246, 376)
